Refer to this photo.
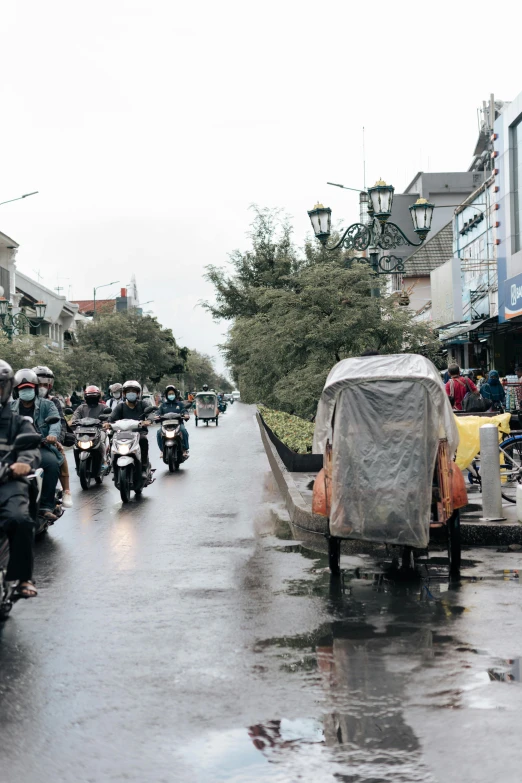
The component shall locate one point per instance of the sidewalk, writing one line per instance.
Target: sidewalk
(482, 533)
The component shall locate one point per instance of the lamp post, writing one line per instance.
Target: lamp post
(380, 233)
(13, 324)
(19, 198)
(94, 296)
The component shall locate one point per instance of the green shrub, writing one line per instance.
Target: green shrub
(295, 433)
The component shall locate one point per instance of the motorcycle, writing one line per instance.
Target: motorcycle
(172, 440)
(89, 451)
(128, 471)
(8, 595)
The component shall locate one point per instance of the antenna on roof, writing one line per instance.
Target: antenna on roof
(364, 162)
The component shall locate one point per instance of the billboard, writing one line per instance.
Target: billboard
(513, 296)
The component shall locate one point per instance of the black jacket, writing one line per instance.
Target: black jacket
(11, 425)
(122, 411)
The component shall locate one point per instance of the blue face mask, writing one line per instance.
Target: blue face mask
(26, 394)
(171, 397)
(132, 396)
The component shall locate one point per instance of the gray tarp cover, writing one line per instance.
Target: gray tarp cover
(390, 412)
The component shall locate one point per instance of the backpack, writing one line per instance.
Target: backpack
(474, 402)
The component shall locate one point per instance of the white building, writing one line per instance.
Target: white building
(61, 316)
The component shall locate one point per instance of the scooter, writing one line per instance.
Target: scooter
(172, 440)
(128, 471)
(89, 450)
(8, 594)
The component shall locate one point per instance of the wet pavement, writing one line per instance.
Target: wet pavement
(187, 637)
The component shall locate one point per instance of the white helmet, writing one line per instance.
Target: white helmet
(132, 386)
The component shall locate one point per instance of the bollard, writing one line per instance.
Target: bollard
(490, 473)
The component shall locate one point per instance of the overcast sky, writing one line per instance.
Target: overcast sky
(150, 126)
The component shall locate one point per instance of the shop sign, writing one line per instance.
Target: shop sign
(513, 296)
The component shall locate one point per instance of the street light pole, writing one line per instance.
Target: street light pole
(94, 296)
(19, 198)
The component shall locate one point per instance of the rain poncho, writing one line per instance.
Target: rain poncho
(384, 416)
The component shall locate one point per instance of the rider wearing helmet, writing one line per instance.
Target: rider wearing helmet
(174, 404)
(45, 388)
(92, 408)
(27, 403)
(205, 387)
(133, 407)
(116, 391)
(15, 518)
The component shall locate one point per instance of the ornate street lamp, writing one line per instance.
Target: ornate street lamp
(380, 232)
(321, 218)
(13, 324)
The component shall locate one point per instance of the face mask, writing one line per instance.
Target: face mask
(117, 395)
(91, 401)
(171, 397)
(132, 396)
(43, 391)
(27, 394)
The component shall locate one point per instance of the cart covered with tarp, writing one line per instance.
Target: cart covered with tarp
(388, 435)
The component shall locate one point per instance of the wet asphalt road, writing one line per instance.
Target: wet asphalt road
(186, 637)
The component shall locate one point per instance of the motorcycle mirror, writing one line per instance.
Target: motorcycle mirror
(28, 440)
(105, 416)
(149, 409)
(52, 420)
(68, 411)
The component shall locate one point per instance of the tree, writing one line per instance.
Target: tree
(140, 348)
(30, 351)
(282, 353)
(199, 369)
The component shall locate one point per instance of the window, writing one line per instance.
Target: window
(516, 138)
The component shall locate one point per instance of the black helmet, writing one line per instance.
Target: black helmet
(6, 381)
(205, 387)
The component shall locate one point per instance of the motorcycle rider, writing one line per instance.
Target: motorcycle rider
(205, 387)
(27, 403)
(133, 408)
(174, 404)
(116, 393)
(45, 386)
(92, 408)
(14, 495)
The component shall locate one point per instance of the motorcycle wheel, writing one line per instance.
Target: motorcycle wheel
(99, 479)
(217, 420)
(196, 420)
(124, 485)
(172, 461)
(85, 474)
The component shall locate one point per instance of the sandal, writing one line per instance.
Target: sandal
(26, 589)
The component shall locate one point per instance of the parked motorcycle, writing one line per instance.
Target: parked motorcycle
(172, 440)
(8, 596)
(128, 472)
(89, 448)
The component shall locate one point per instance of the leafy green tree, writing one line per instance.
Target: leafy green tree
(29, 351)
(282, 355)
(199, 369)
(139, 346)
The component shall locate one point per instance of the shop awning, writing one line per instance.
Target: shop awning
(459, 333)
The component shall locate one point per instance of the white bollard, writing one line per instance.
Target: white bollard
(490, 473)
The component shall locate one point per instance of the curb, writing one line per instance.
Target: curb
(301, 517)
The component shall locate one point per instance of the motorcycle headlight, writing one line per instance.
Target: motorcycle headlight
(123, 449)
(170, 433)
(85, 444)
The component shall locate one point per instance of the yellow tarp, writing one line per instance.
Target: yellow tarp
(469, 433)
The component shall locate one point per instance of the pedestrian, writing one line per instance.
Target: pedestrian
(457, 387)
(493, 391)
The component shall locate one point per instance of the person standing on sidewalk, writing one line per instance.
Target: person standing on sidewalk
(457, 387)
